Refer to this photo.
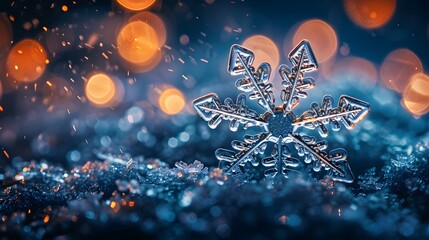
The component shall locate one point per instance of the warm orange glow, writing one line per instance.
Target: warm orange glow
(351, 68)
(370, 14)
(137, 42)
(100, 90)
(398, 67)
(265, 50)
(136, 5)
(26, 61)
(322, 37)
(171, 101)
(155, 22)
(64, 8)
(416, 94)
(6, 34)
(139, 45)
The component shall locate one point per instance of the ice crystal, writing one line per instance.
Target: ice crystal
(279, 123)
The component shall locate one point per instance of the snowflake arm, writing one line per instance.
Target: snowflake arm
(334, 161)
(240, 62)
(248, 150)
(303, 60)
(280, 160)
(210, 109)
(350, 111)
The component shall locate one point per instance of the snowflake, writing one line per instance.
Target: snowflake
(279, 123)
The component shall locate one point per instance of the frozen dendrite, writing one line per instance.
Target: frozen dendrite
(278, 123)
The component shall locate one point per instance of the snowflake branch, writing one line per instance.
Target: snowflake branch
(247, 149)
(303, 60)
(268, 106)
(280, 160)
(350, 111)
(320, 155)
(240, 62)
(294, 80)
(300, 123)
(210, 109)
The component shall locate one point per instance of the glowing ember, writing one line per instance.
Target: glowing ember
(171, 101)
(26, 61)
(322, 37)
(370, 14)
(398, 67)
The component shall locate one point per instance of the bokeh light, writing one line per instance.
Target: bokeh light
(370, 14)
(322, 37)
(155, 22)
(6, 35)
(27, 61)
(265, 50)
(171, 101)
(184, 39)
(398, 67)
(136, 5)
(100, 90)
(358, 70)
(139, 42)
(415, 97)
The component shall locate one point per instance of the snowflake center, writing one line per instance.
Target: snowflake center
(279, 124)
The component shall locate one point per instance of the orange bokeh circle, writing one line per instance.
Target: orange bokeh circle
(321, 36)
(155, 22)
(26, 61)
(137, 42)
(265, 50)
(370, 14)
(398, 67)
(171, 101)
(416, 94)
(136, 5)
(100, 89)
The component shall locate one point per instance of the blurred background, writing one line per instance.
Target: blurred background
(96, 116)
(79, 77)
